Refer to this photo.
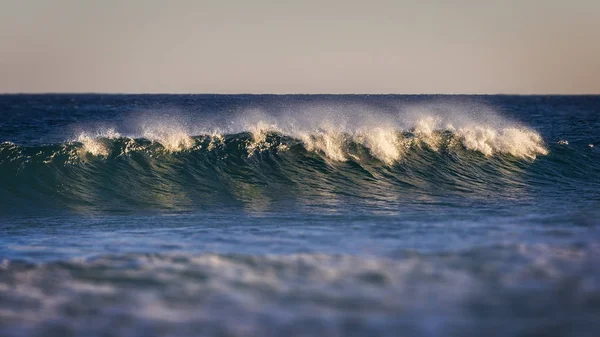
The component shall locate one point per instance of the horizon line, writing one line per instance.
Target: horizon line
(288, 94)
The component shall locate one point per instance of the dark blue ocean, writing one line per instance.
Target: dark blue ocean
(299, 215)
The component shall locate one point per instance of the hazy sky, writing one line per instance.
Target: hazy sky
(310, 46)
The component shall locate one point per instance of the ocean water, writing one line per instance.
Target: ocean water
(300, 215)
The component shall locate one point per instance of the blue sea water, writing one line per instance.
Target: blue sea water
(299, 215)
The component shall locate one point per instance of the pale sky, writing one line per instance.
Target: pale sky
(310, 46)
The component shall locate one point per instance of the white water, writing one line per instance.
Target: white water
(330, 130)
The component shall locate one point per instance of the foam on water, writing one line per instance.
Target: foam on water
(384, 143)
(240, 295)
(94, 143)
(172, 137)
(329, 142)
(259, 132)
(488, 139)
(331, 131)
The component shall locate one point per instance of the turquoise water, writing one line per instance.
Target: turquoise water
(186, 215)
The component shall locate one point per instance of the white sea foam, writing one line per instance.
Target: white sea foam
(519, 142)
(268, 292)
(173, 138)
(389, 145)
(331, 131)
(487, 138)
(426, 130)
(94, 143)
(259, 132)
(384, 143)
(330, 142)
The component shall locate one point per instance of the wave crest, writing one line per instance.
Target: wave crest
(383, 143)
(389, 145)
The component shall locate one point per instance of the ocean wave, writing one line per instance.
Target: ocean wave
(383, 143)
(261, 159)
(269, 295)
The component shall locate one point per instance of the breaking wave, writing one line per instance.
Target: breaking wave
(258, 160)
(383, 142)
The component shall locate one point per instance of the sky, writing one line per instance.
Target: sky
(309, 46)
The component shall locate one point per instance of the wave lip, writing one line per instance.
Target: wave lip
(386, 144)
